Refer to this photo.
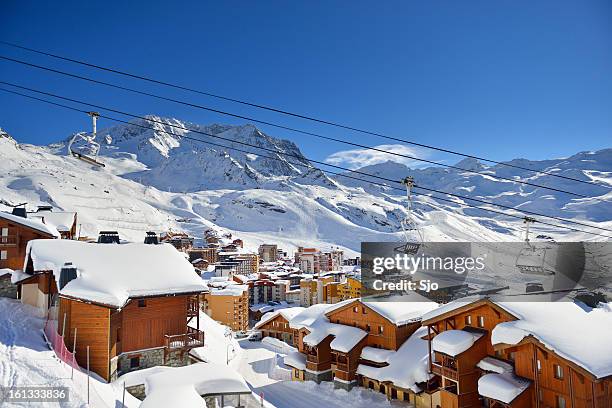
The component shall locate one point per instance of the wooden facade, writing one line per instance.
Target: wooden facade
(144, 323)
(278, 328)
(14, 238)
(555, 382)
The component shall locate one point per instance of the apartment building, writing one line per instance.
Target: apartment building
(349, 289)
(308, 260)
(228, 305)
(268, 252)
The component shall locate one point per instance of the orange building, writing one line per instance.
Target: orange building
(229, 306)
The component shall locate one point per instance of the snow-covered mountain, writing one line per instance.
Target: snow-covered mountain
(158, 178)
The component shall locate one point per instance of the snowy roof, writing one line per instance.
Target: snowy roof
(494, 365)
(110, 274)
(286, 313)
(229, 290)
(314, 320)
(185, 386)
(408, 366)
(296, 359)
(6, 271)
(398, 313)
(34, 224)
(454, 342)
(586, 344)
(377, 355)
(502, 387)
(573, 331)
(62, 220)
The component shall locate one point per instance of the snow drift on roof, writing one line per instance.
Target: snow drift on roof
(494, 365)
(454, 342)
(574, 331)
(110, 274)
(408, 366)
(502, 387)
(61, 220)
(184, 386)
(31, 223)
(296, 359)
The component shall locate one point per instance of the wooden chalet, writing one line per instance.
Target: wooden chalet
(468, 373)
(275, 324)
(16, 230)
(135, 305)
(64, 221)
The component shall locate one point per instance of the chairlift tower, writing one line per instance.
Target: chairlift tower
(409, 224)
(90, 140)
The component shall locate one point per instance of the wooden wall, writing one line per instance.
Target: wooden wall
(359, 315)
(92, 323)
(17, 252)
(145, 327)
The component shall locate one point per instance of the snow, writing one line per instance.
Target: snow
(26, 360)
(572, 330)
(230, 290)
(111, 274)
(185, 385)
(502, 387)
(30, 223)
(296, 359)
(61, 220)
(377, 355)
(407, 366)
(400, 313)
(219, 344)
(6, 271)
(494, 365)
(454, 342)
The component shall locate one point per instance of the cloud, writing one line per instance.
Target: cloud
(357, 158)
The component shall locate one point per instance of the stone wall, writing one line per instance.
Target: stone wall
(7, 289)
(317, 377)
(147, 359)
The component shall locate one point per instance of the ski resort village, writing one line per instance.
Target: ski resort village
(400, 204)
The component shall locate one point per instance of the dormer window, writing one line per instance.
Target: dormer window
(142, 303)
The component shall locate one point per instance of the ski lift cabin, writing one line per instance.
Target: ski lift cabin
(90, 140)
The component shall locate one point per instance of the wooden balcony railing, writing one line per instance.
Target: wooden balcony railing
(9, 240)
(312, 358)
(444, 371)
(193, 338)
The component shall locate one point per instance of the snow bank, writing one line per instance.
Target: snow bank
(111, 273)
(219, 344)
(454, 342)
(184, 386)
(400, 313)
(564, 327)
(502, 387)
(408, 366)
(60, 220)
(376, 355)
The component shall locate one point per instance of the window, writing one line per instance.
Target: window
(480, 321)
(3, 255)
(356, 309)
(540, 395)
(363, 310)
(381, 329)
(368, 328)
(499, 354)
(560, 402)
(468, 320)
(539, 365)
(142, 303)
(4, 235)
(134, 362)
(558, 372)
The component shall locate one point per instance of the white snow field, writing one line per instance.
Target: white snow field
(26, 360)
(156, 181)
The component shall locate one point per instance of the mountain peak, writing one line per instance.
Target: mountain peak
(470, 163)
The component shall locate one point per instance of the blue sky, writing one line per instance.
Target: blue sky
(502, 79)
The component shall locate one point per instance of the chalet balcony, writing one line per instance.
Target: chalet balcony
(9, 240)
(193, 338)
(441, 370)
(313, 358)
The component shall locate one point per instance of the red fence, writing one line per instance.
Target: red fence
(80, 377)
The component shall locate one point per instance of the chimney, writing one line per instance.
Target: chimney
(151, 238)
(67, 273)
(42, 208)
(108, 237)
(20, 212)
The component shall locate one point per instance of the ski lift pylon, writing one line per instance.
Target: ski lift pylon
(409, 225)
(89, 139)
(532, 260)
